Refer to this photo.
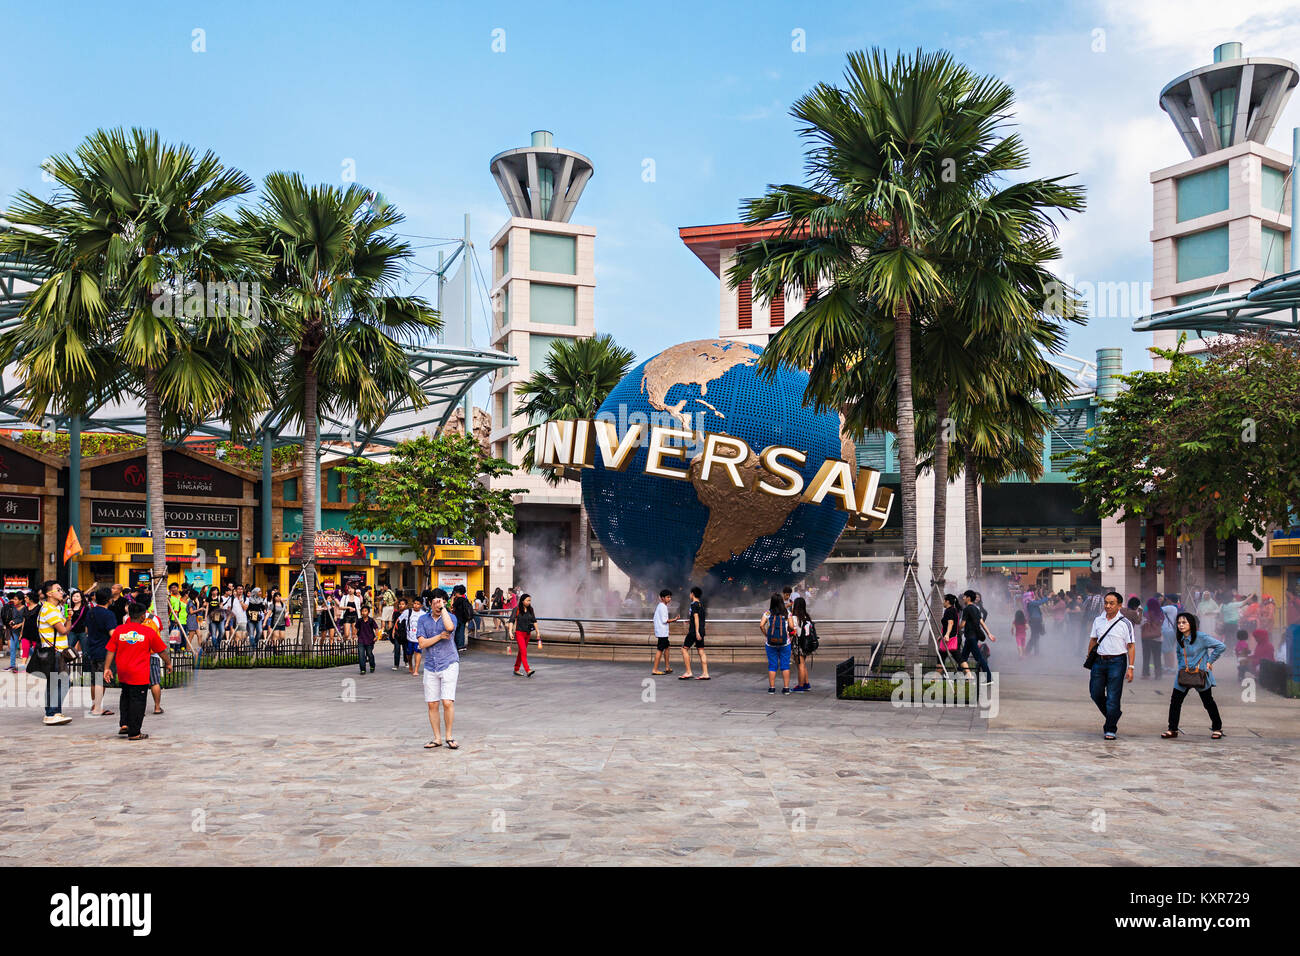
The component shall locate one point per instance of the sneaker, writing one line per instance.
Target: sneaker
(57, 720)
(771, 690)
(397, 668)
(785, 690)
(798, 690)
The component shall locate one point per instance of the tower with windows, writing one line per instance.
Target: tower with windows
(544, 283)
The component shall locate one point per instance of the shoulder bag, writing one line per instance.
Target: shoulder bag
(1092, 653)
(1193, 678)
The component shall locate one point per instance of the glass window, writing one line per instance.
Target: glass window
(291, 489)
(1202, 193)
(503, 263)
(1272, 245)
(538, 348)
(1271, 188)
(548, 253)
(1202, 254)
(553, 304)
(332, 491)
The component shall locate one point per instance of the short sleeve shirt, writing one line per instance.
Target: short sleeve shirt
(971, 620)
(661, 620)
(50, 617)
(132, 646)
(1118, 639)
(437, 657)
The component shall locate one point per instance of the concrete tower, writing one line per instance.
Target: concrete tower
(1220, 223)
(544, 281)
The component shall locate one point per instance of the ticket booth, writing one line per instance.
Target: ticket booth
(458, 564)
(129, 562)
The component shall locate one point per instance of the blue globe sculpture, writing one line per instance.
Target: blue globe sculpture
(662, 531)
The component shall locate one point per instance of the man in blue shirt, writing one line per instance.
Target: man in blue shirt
(94, 649)
(435, 637)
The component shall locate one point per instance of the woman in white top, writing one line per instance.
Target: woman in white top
(351, 607)
(237, 609)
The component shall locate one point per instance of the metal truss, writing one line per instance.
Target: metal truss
(1271, 304)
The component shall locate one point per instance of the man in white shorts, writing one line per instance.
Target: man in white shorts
(434, 637)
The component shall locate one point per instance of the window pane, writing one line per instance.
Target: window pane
(1271, 249)
(552, 304)
(548, 253)
(291, 489)
(1272, 186)
(538, 348)
(332, 486)
(1202, 254)
(1203, 193)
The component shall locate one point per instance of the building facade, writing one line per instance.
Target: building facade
(1220, 223)
(543, 291)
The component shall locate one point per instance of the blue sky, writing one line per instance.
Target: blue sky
(415, 96)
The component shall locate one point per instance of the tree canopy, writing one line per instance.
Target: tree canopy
(1208, 445)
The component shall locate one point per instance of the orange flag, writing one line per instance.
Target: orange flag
(71, 547)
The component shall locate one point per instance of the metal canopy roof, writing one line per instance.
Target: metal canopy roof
(1271, 304)
(444, 373)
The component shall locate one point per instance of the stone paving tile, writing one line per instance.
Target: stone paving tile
(272, 767)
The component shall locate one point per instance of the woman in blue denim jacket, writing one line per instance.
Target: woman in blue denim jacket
(1198, 650)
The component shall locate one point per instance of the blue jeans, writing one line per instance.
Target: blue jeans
(56, 686)
(215, 631)
(1107, 686)
(15, 641)
(459, 637)
(254, 632)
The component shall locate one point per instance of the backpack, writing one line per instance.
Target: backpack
(777, 631)
(808, 641)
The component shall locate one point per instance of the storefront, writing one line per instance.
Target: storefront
(206, 501)
(456, 562)
(340, 559)
(128, 561)
(30, 549)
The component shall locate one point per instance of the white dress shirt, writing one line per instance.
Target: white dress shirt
(1120, 636)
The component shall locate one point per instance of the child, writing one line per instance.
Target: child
(1242, 651)
(366, 640)
(1021, 625)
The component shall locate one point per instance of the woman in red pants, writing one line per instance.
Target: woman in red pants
(524, 621)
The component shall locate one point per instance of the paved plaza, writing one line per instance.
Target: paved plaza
(588, 763)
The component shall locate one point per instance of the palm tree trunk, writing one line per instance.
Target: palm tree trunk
(906, 438)
(974, 543)
(939, 556)
(153, 452)
(310, 489)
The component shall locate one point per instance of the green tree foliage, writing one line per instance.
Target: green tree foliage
(431, 488)
(1206, 445)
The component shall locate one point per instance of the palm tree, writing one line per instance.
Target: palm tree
(341, 327)
(904, 167)
(132, 225)
(574, 381)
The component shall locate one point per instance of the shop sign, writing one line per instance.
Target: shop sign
(186, 517)
(182, 476)
(20, 509)
(333, 545)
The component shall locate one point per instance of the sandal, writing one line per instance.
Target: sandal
(1216, 734)
(452, 745)
(432, 743)
(1169, 735)
(139, 737)
(160, 711)
(687, 677)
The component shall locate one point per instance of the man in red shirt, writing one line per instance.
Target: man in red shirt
(129, 646)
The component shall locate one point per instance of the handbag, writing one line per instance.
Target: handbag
(1193, 678)
(1091, 659)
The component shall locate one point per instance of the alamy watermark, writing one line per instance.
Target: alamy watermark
(209, 300)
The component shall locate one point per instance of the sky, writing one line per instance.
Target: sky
(415, 99)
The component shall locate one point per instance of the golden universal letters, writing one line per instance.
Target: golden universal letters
(567, 445)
